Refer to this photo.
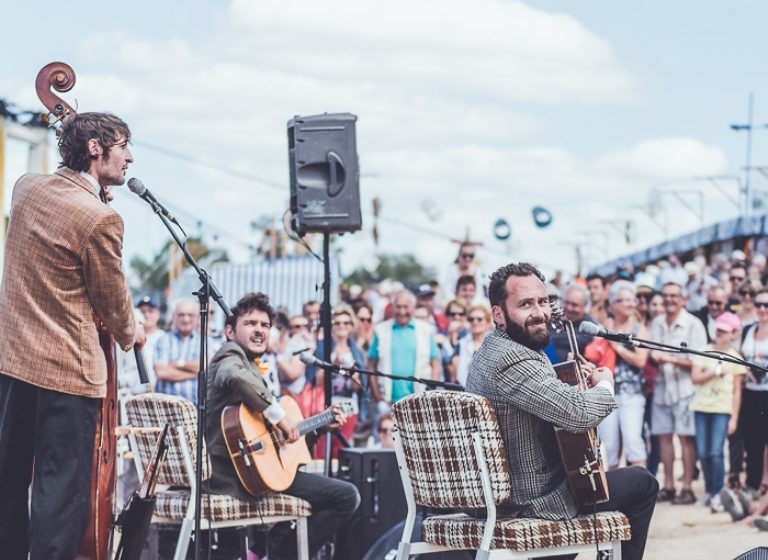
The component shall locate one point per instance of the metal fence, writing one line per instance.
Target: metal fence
(288, 281)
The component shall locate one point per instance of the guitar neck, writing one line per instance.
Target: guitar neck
(314, 422)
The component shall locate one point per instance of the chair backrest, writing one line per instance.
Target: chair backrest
(435, 429)
(154, 410)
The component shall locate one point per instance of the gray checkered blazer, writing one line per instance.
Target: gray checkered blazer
(530, 401)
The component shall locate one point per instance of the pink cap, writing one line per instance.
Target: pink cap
(728, 322)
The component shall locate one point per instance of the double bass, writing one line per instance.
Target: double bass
(97, 541)
(579, 451)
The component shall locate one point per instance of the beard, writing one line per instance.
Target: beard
(522, 335)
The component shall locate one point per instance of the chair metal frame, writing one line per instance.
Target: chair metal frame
(406, 547)
(187, 522)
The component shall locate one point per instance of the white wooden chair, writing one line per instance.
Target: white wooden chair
(451, 456)
(177, 505)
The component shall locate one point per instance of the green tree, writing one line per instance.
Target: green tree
(152, 276)
(404, 268)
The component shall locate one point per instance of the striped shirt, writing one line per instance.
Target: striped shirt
(170, 349)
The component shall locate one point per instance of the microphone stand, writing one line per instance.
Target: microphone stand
(207, 290)
(431, 383)
(684, 349)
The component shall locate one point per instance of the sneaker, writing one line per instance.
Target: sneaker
(704, 501)
(716, 505)
(732, 504)
(761, 523)
(665, 495)
(686, 497)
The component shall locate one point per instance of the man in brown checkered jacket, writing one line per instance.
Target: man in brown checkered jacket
(511, 370)
(63, 265)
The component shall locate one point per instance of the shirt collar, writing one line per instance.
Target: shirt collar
(91, 179)
(409, 325)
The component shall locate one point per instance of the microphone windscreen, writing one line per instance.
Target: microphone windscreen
(307, 357)
(589, 328)
(135, 185)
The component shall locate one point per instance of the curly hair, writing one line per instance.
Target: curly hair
(105, 128)
(254, 301)
(497, 289)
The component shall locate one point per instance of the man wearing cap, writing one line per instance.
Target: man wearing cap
(127, 370)
(402, 346)
(425, 297)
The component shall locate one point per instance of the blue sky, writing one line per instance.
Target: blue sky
(481, 109)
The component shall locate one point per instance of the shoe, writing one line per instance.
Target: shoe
(732, 504)
(716, 505)
(704, 501)
(761, 523)
(686, 497)
(665, 495)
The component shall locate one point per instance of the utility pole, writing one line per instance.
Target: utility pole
(748, 197)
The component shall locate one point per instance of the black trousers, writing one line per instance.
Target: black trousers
(633, 492)
(754, 427)
(54, 432)
(333, 503)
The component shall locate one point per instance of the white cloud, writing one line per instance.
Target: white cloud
(443, 91)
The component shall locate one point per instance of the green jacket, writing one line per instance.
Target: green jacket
(232, 379)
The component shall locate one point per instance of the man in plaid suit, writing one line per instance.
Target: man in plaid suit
(511, 370)
(63, 266)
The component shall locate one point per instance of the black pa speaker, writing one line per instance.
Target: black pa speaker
(382, 500)
(325, 176)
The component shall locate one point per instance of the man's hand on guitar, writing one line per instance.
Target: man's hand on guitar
(289, 428)
(598, 375)
(339, 417)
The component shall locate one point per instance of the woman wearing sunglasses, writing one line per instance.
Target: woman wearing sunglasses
(344, 353)
(479, 320)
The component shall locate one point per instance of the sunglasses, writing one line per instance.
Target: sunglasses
(761, 304)
(737, 278)
(467, 255)
(364, 319)
(745, 293)
(475, 319)
(715, 303)
(456, 314)
(385, 431)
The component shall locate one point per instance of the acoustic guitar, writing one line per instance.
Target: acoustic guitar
(263, 460)
(579, 452)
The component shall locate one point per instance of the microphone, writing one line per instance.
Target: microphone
(141, 366)
(136, 186)
(311, 360)
(592, 329)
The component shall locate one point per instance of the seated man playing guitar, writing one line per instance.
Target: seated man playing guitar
(235, 378)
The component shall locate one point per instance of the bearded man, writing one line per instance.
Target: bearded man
(511, 371)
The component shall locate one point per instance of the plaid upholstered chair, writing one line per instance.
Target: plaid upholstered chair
(178, 505)
(451, 456)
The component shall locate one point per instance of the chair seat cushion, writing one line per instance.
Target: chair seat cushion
(460, 531)
(172, 504)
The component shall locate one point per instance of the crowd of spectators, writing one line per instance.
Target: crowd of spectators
(433, 330)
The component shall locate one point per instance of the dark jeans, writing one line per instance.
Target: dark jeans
(333, 503)
(711, 430)
(54, 431)
(754, 417)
